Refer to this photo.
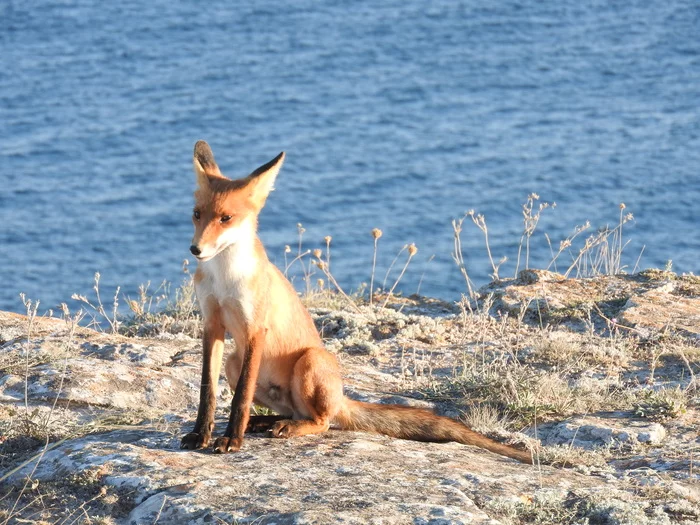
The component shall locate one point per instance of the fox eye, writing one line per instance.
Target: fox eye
(196, 215)
(225, 218)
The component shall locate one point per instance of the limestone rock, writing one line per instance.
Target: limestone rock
(660, 309)
(114, 409)
(591, 433)
(646, 302)
(336, 478)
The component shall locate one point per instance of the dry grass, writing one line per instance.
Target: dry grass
(577, 507)
(527, 395)
(31, 426)
(600, 254)
(663, 404)
(79, 498)
(164, 311)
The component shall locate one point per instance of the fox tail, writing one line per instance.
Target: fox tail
(418, 424)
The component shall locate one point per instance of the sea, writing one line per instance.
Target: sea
(394, 114)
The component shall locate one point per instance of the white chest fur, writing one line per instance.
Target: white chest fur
(227, 279)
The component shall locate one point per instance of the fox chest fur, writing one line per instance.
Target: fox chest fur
(225, 293)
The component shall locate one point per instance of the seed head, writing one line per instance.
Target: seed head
(327, 238)
(317, 253)
(376, 233)
(287, 249)
(320, 283)
(622, 206)
(412, 250)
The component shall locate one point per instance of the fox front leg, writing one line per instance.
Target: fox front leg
(213, 349)
(232, 439)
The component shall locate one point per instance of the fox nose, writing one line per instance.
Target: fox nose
(195, 250)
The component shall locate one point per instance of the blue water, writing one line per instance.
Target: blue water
(394, 114)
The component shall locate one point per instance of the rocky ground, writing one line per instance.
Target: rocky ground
(598, 373)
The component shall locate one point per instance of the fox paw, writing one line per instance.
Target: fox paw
(194, 440)
(282, 429)
(257, 427)
(224, 445)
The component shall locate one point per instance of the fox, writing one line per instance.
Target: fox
(279, 360)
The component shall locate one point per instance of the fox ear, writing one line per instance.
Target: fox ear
(204, 163)
(262, 180)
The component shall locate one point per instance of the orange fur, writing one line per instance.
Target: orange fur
(279, 360)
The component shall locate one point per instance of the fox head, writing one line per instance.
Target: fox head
(226, 211)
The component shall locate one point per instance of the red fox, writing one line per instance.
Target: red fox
(280, 361)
